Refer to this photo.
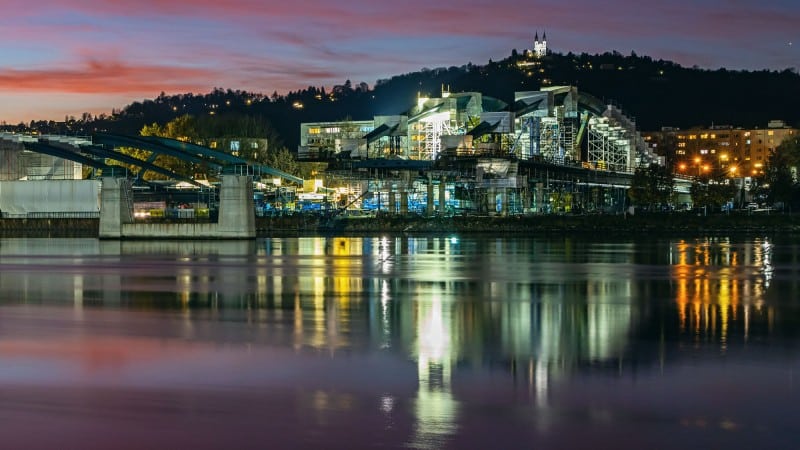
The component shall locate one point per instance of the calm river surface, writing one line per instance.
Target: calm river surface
(400, 342)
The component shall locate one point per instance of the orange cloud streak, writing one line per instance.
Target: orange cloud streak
(111, 77)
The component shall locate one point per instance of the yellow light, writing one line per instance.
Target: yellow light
(682, 166)
(723, 157)
(697, 160)
(733, 170)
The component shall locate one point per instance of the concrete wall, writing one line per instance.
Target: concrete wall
(236, 214)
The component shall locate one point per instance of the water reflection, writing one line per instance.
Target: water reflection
(539, 311)
(720, 284)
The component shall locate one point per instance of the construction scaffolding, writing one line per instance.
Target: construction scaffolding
(434, 127)
(610, 145)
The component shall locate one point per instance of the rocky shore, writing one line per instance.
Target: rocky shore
(677, 223)
(295, 225)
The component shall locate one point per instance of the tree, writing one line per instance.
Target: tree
(712, 194)
(780, 184)
(651, 186)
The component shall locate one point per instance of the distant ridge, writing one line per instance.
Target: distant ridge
(656, 93)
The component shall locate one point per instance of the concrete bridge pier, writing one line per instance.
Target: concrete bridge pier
(430, 211)
(442, 191)
(392, 207)
(403, 202)
(236, 214)
(539, 206)
(237, 218)
(116, 206)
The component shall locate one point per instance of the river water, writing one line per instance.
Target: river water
(400, 342)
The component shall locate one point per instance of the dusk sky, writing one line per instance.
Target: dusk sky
(66, 57)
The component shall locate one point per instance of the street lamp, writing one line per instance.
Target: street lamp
(697, 162)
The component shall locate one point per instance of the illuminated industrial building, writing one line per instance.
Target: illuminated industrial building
(470, 152)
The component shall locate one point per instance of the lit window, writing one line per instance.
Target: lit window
(254, 144)
(213, 144)
(681, 144)
(313, 130)
(234, 146)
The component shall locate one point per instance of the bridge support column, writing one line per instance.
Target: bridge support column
(442, 193)
(116, 206)
(392, 207)
(526, 200)
(430, 211)
(539, 206)
(403, 202)
(236, 208)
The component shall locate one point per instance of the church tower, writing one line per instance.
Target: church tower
(540, 47)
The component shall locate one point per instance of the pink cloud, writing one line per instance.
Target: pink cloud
(107, 77)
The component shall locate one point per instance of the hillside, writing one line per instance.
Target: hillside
(655, 92)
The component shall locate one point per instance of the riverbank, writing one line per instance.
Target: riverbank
(675, 223)
(672, 223)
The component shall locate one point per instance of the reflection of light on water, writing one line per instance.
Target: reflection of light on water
(540, 379)
(767, 262)
(385, 324)
(435, 409)
(433, 338)
(384, 255)
(713, 288)
(77, 291)
(436, 415)
(387, 404)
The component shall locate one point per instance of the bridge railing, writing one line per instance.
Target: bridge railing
(51, 215)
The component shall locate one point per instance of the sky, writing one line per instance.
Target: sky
(66, 57)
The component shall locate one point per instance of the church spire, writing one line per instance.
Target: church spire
(540, 47)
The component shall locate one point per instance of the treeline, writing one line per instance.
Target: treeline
(656, 93)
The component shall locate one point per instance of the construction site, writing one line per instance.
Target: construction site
(556, 150)
(552, 151)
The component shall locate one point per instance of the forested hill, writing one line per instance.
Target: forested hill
(656, 93)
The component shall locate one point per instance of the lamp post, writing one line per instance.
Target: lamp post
(697, 162)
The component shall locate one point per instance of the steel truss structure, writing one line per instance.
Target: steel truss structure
(433, 128)
(610, 145)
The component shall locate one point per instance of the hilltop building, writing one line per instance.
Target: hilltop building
(539, 47)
